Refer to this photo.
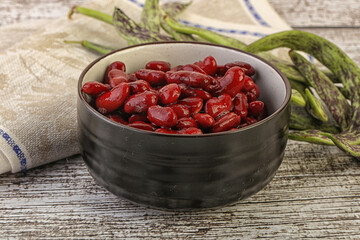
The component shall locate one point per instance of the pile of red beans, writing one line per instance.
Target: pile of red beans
(196, 98)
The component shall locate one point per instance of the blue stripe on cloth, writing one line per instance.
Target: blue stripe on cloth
(223, 30)
(137, 3)
(255, 14)
(19, 153)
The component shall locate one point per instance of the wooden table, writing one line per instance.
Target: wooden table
(315, 194)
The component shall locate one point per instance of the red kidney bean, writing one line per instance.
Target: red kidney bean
(113, 99)
(138, 117)
(140, 102)
(162, 116)
(190, 131)
(214, 85)
(142, 125)
(232, 82)
(250, 86)
(195, 92)
(248, 69)
(94, 88)
(165, 130)
(251, 96)
(183, 88)
(232, 129)
(177, 68)
(221, 70)
(158, 65)
(132, 77)
(117, 117)
(116, 77)
(169, 93)
(226, 122)
(139, 86)
(204, 120)
(186, 122)
(209, 65)
(240, 105)
(193, 68)
(194, 104)
(170, 78)
(255, 108)
(155, 91)
(180, 110)
(191, 79)
(154, 77)
(217, 106)
(115, 65)
(247, 122)
(262, 114)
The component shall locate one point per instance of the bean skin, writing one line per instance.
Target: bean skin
(226, 122)
(115, 65)
(232, 82)
(158, 65)
(140, 102)
(94, 88)
(162, 116)
(113, 99)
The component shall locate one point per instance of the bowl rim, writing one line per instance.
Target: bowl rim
(284, 104)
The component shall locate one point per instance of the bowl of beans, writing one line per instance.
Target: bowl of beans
(182, 125)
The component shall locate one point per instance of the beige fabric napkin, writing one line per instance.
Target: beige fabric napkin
(38, 75)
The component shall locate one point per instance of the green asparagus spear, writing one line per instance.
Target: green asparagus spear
(327, 91)
(349, 142)
(91, 13)
(310, 136)
(326, 52)
(173, 9)
(92, 46)
(301, 122)
(297, 99)
(313, 105)
(150, 16)
(126, 27)
(206, 34)
(134, 33)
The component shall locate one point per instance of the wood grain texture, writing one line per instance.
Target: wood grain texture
(298, 13)
(314, 195)
(13, 11)
(308, 13)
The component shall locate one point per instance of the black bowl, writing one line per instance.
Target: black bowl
(184, 171)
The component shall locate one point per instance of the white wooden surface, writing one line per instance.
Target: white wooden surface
(315, 194)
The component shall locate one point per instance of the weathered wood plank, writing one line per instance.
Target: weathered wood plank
(298, 13)
(334, 13)
(13, 11)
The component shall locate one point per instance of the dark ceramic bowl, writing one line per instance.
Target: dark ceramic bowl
(184, 171)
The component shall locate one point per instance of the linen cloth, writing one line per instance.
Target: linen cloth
(39, 72)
